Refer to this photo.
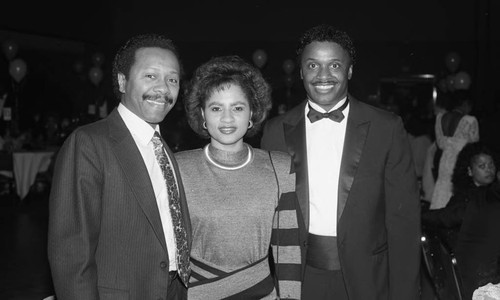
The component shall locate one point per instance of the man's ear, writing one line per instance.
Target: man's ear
(349, 73)
(301, 76)
(121, 82)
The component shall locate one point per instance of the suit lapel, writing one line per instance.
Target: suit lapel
(135, 171)
(295, 136)
(355, 137)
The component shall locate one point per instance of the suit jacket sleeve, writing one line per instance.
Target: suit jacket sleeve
(272, 136)
(402, 218)
(74, 219)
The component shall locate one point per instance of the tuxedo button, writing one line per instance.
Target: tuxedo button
(163, 265)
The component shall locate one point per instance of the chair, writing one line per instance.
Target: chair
(441, 266)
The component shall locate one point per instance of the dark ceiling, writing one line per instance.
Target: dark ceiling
(109, 22)
(393, 33)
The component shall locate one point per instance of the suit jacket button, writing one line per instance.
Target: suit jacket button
(163, 265)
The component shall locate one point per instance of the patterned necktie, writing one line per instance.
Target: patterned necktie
(336, 115)
(175, 209)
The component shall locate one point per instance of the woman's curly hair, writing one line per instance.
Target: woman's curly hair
(219, 73)
(460, 178)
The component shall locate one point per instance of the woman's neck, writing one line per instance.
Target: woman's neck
(229, 158)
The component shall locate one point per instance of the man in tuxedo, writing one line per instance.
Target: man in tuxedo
(119, 228)
(356, 182)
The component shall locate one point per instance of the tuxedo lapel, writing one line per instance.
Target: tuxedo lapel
(355, 137)
(135, 171)
(295, 135)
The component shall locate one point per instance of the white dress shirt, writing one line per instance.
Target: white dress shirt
(325, 142)
(142, 133)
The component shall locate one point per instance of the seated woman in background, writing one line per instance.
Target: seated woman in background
(238, 196)
(478, 244)
(474, 170)
(454, 129)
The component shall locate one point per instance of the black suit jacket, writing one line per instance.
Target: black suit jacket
(378, 215)
(105, 238)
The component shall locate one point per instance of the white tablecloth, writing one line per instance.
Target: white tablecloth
(26, 166)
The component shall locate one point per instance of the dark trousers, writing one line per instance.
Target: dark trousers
(176, 289)
(323, 284)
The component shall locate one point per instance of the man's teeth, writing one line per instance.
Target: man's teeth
(156, 101)
(324, 86)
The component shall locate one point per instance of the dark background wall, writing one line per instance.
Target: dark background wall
(394, 39)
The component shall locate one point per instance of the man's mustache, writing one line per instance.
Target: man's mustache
(166, 98)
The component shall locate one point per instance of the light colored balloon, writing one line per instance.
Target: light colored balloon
(450, 83)
(442, 85)
(10, 49)
(462, 81)
(98, 59)
(259, 58)
(288, 81)
(288, 66)
(95, 75)
(17, 69)
(78, 66)
(452, 61)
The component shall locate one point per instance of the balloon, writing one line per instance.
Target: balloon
(452, 61)
(450, 83)
(288, 66)
(288, 81)
(259, 58)
(98, 59)
(95, 75)
(10, 49)
(78, 66)
(17, 69)
(442, 85)
(462, 81)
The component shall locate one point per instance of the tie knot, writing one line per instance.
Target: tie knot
(156, 138)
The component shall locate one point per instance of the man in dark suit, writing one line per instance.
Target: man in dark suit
(356, 182)
(118, 228)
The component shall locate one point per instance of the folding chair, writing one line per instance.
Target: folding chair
(441, 266)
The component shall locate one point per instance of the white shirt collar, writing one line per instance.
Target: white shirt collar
(140, 129)
(321, 109)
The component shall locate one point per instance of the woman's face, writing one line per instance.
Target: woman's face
(482, 169)
(227, 113)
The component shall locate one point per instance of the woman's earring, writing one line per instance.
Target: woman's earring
(204, 125)
(250, 124)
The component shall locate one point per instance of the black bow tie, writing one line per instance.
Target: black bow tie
(335, 115)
